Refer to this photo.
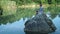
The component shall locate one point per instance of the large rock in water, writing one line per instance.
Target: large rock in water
(39, 23)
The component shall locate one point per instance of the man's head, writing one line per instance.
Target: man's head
(40, 4)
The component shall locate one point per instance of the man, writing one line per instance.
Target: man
(41, 9)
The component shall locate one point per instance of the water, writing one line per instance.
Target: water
(17, 27)
(14, 24)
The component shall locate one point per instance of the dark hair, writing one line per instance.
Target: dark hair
(36, 12)
(40, 4)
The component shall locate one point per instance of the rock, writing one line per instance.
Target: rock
(40, 23)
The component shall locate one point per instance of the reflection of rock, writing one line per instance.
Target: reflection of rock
(40, 23)
(34, 33)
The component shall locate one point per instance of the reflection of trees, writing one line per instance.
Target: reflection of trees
(21, 13)
(6, 19)
(53, 16)
(28, 12)
(54, 10)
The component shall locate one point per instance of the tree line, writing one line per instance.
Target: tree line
(20, 2)
(37, 1)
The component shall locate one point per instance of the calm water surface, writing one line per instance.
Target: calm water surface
(17, 27)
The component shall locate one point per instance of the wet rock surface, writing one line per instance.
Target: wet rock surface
(40, 23)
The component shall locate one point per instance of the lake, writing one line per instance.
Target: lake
(14, 24)
(17, 27)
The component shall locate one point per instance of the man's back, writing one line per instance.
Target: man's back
(40, 11)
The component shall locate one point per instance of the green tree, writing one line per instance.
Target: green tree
(49, 1)
(57, 1)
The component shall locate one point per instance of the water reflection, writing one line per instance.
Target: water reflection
(53, 11)
(12, 18)
(34, 33)
(14, 24)
(56, 21)
(6, 19)
(17, 27)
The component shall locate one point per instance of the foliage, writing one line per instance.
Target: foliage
(9, 7)
(57, 1)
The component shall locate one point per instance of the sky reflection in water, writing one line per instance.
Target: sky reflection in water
(17, 27)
